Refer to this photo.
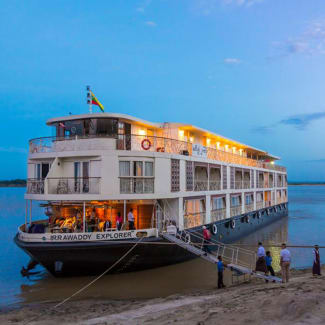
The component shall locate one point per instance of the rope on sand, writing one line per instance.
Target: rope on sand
(92, 282)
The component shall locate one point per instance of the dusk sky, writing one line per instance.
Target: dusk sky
(251, 70)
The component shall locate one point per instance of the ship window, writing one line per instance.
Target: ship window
(249, 199)
(148, 170)
(107, 127)
(235, 201)
(124, 168)
(138, 168)
(218, 203)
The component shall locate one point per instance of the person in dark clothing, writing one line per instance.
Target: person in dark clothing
(268, 260)
(221, 267)
(316, 264)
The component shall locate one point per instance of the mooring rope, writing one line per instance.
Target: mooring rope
(92, 282)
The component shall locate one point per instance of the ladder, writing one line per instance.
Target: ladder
(229, 253)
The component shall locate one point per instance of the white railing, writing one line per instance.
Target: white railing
(135, 142)
(214, 185)
(71, 185)
(136, 185)
(249, 207)
(200, 185)
(218, 214)
(259, 205)
(35, 186)
(235, 211)
(194, 219)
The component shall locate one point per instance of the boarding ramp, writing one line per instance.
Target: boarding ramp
(240, 260)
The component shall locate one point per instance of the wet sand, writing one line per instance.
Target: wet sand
(302, 301)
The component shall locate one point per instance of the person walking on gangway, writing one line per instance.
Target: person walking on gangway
(206, 241)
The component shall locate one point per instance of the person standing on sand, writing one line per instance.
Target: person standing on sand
(260, 263)
(285, 259)
(316, 265)
(221, 268)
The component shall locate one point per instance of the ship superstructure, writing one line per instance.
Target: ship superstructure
(100, 166)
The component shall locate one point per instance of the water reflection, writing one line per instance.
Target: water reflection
(274, 234)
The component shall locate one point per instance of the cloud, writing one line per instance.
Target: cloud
(246, 3)
(151, 23)
(310, 42)
(300, 122)
(13, 149)
(206, 7)
(143, 6)
(231, 61)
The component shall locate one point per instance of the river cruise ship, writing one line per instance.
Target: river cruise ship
(108, 180)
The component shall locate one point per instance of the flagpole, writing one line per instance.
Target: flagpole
(89, 100)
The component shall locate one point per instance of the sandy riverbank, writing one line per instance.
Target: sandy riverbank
(302, 301)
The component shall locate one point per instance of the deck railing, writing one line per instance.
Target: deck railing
(73, 185)
(249, 207)
(137, 143)
(194, 219)
(259, 205)
(218, 214)
(136, 185)
(235, 211)
(35, 186)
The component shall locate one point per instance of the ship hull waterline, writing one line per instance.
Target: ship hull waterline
(93, 258)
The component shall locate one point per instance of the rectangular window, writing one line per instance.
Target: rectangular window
(148, 170)
(217, 203)
(138, 168)
(124, 168)
(235, 201)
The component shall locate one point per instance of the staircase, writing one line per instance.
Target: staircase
(230, 254)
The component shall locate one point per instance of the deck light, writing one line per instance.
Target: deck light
(181, 133)
(191, 139)
(218, 145)
(233, 149)
(208, 141)
(142, 132)
(226, 147)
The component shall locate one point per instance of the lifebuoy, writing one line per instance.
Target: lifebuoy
(280, 207)
(214, 229)
(259, 214)
(187, 238)
(233, 224)
(247, 219)
(145, 144)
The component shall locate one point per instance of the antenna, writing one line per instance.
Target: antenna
(89, 99)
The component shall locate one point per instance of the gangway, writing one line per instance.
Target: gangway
(227, 252)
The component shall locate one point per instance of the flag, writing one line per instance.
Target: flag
(95, 101)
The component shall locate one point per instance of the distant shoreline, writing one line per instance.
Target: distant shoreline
(307, 184)
(13, 183)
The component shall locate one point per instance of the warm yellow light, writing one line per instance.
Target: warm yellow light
(181, 133)
(208, 141)
(191, 139)
(142, 132)
(218, 145)
(226, 147)
(272, 162)
(241, 152)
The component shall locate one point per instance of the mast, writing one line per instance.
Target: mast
(89, 99)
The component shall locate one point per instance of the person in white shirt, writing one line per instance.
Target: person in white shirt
(285, 260)
(131, 220)
(261, 263)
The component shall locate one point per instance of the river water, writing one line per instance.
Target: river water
(304, 226)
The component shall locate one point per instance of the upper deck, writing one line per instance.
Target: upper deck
(109, 131)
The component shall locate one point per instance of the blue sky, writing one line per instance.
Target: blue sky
(252, 70)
